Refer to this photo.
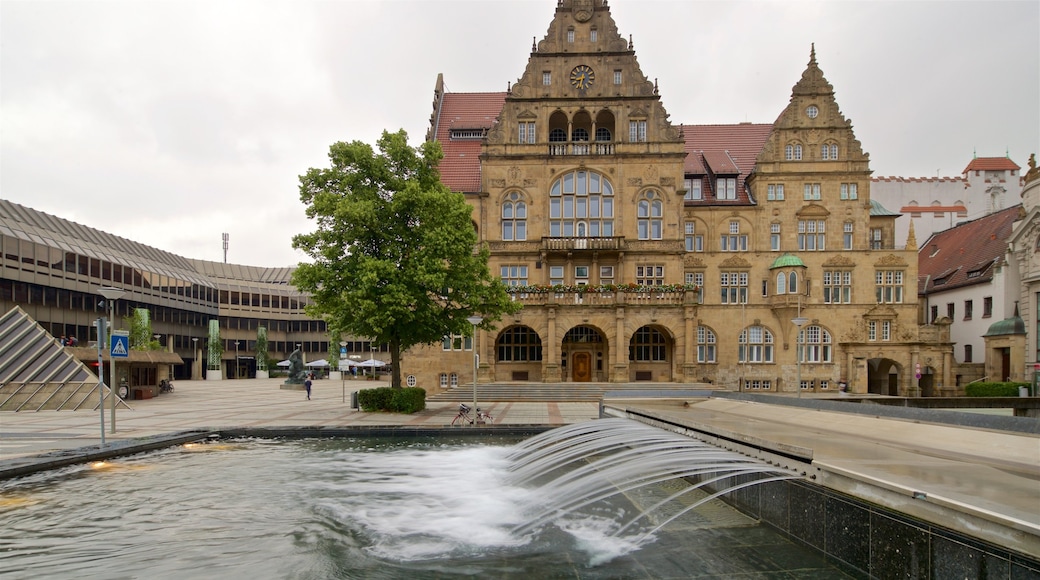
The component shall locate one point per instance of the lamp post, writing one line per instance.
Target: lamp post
(111, 294)
(195, 352)
(237, 342)
(475, 320)
(799, 323)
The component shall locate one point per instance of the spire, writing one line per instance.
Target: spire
(812, 82)
(911, 238)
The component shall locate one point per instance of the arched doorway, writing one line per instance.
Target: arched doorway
(650, 354)
(883, 376)
(518, 354)
(583, 355)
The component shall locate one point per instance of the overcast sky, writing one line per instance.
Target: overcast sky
(170, 122)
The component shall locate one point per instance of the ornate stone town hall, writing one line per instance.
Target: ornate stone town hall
(643, 249)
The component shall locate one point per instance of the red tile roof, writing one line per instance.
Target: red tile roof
(991, 164)
(724, 150)
(460, 168)
(965, 254)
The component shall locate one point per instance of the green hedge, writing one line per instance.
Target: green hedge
(993, 389)
(391, 400)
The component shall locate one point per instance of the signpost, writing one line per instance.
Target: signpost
(119, 348)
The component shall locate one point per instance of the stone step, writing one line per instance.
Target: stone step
(559, 392)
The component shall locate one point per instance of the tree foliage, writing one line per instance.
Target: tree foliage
(395, 251)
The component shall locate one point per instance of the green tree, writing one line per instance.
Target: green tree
(141, 337)
(395, 251)
(261, 348)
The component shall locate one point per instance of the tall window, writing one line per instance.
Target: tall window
(987, 306)
(648, 344)
(650, 275)
(734, 241)
(837, 286)
(581, 200)
(546, 78)
(734, 287)
(705, 345)
(555, 275)
(593, 35)
(847, 235)
(514, 275)
(774, 237)
(787, 282)
(606, 274)
(812, 235)
(526, 134)
(570, 35)
(514, 218)
(950, 310)
(967, 353)
(849, 191)
(457, 342)
(726, 188)
(697, 278)
(829, 151)
(889, 286)
(969, 306)
(811, 192)
(617, 77)
(775, 192)
(693, 189)
(793, 153)
(875, 238)
(650, 213)
(637, 131)
(814, 345)
(756, 345)
(694, 241)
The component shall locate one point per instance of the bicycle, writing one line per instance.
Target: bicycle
(165, 386)
(463, 416)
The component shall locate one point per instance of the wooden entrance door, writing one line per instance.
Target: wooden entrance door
(581, 371)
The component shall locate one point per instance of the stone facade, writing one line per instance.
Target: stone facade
(643, 250)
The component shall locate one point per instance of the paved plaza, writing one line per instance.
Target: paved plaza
(248, 403)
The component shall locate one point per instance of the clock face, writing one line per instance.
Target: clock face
(582, 77)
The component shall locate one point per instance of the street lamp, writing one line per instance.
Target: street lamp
(195, 353)
(237, 342)
(799, 323)
(475, 320)
(111, 294)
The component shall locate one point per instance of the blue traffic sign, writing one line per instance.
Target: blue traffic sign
(120, 346)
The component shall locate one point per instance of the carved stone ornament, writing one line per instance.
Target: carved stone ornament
(582, 10)
(650, 174)
(891, 260)
(498, 183)
(735, 262)
(635, 181)
(838, 261)
(693, 261)
(515, 174)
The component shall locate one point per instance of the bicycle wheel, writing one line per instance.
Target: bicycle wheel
(460, 419)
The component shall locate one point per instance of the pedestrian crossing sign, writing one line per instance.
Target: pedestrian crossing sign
(120, 346)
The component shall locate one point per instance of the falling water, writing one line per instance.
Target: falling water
(602, 499)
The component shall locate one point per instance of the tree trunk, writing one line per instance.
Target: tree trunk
(395, 363)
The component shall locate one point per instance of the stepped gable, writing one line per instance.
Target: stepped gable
(37, 373)
(468, 115)
(794, 126)
(966, 254)
(723, 150)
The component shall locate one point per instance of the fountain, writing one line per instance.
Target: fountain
(608, 498)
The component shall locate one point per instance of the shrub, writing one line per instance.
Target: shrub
(993, 389)
(391, 400)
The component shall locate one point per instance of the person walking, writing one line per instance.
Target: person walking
(307, 384)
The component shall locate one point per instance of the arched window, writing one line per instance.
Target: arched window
(454, 378)
(557, 136)
(797, 152)
(650, 213)
(514, 217)
(792, 283)
(756, 345)
(781, 283)
(814, 345)
(789, 153)
(444, 380)
(648, 344)
(581, 196)
(580, 134)
(829, 151)
(519, 343)
(705, 345)
(602, 134)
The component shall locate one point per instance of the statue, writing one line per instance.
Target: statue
(297, 374)
(1033, 172)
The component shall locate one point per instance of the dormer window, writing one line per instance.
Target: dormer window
(467, 134)
(726, 188)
